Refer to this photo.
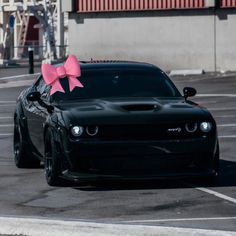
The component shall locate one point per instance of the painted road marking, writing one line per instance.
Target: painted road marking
(9, 134)
(18, 76)
(6, 117)
(219, 195)
(227, 136)
(7, 125)
(226, 125)
(180, 219)
(232, 95)
(225, 116)
(221, 108)
(15, 84)
(48, 227)
(7, 102)
(7, 105)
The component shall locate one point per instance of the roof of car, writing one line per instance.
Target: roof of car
(117, 64)
(106, 64)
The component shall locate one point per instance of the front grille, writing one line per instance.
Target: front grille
(145, 132)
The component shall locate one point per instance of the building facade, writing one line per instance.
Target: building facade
(173, 34)
(27, 24)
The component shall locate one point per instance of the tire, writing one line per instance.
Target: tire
(52, 163)
(214, 179)
(217, 159)
(22, 156)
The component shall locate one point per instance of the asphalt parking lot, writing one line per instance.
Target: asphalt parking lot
(180, 203)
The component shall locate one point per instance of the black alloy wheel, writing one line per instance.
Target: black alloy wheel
(22, 157)
(213, 180)
(17, 145)
(217, 160)
(52, 162)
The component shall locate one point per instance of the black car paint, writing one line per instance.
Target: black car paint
(108, 114)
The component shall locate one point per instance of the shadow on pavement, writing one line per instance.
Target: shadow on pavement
(227, 178)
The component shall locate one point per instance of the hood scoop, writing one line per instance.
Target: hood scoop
(139, 107)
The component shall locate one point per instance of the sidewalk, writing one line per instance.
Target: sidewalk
(19, 63)
(25, 63)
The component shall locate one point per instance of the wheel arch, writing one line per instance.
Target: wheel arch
(54, 132)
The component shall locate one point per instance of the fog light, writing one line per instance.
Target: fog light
(205, 127)
(77, 131)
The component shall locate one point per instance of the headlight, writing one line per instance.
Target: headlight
(205, 127)
(77, 131)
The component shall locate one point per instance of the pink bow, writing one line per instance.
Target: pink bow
(52, 75)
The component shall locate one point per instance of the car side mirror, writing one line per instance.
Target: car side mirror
(36, 97)
(33, 96)
(189, 92)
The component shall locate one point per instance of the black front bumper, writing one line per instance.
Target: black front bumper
(91, 160)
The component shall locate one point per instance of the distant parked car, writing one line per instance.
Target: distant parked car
(129, 121)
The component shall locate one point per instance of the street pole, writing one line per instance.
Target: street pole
(31, 60)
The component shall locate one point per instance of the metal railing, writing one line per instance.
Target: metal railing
(21, 52)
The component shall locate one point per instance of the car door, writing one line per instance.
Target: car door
(36, 116)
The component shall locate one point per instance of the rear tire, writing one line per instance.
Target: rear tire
(52, 162)
(22, 156)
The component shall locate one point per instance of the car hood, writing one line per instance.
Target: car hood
(131, 111)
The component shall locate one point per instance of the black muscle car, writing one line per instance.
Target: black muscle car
(128, 122)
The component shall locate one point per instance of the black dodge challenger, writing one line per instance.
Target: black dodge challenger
(128, 122)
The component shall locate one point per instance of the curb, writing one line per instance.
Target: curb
(187, 72)
(48, 227)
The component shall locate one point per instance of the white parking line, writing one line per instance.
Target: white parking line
(225, 116)
(18, 76)
(7, 125)
(219, 195)
(7, 105)
(180, 219)
(221, 108)
(231, 95)
(227, 136)
(15, 84)
(6, 117)
(3, 135)
(226, 125)
(7, 102)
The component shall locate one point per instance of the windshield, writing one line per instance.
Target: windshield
(119, 83)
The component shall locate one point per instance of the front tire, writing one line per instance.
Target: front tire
(52, 161)
(217, 159)
(214, 179)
